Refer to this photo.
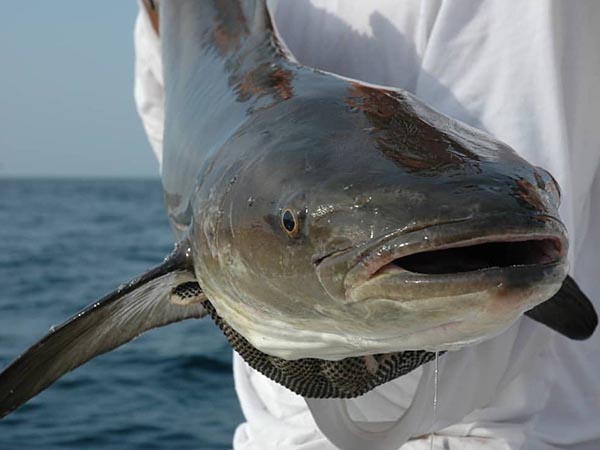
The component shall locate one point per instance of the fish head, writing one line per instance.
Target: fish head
(364, 222)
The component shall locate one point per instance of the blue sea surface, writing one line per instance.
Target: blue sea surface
(64, 244)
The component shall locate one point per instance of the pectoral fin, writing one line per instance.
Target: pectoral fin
(169, 293)
(569, 312)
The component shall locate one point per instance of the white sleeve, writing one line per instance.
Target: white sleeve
(148, 84)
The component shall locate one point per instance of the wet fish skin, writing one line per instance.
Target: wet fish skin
(355, 163)
(373, 178)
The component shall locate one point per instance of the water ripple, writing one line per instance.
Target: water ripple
(73, 242)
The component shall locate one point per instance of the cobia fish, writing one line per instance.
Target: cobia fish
(339, 233)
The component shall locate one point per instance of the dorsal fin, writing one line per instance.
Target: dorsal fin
(152, 11)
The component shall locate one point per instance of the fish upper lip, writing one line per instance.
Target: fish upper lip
(364, 261)
(376, 241)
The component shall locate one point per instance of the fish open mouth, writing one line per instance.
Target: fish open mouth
(463, 257)
(443, 285)
(460, 257)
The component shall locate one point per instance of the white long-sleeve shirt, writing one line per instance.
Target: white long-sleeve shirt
(529, 74)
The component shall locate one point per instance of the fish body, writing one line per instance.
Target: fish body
(370, 174)
(338, 232)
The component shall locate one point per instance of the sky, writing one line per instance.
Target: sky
(66, 91)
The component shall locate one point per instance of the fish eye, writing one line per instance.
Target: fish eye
(290, 222)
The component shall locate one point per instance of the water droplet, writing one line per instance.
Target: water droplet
(231, 183)
(435, 399)
(323, 210)
(362, 200)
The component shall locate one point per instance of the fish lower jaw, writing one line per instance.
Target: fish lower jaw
(436, 324)
(394, 312)
(334, 347)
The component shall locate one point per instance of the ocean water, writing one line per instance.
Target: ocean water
(65, 243)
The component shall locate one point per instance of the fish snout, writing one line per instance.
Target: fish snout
(548, 184)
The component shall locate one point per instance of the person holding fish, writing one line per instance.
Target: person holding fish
(349, 210)
(495, 66)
